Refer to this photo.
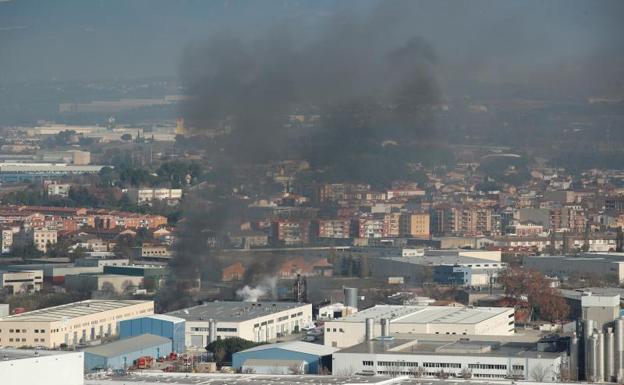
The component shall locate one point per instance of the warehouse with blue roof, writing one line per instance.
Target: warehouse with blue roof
(121, 354)
(316, 358)
(157, 324)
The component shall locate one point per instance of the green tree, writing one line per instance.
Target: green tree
(224, 348)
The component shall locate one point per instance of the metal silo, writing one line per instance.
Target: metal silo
(385, 327)
(592, 355)
(370, 329)
(619, 349)
(588, 330)
(609, 356)
(574, 357)
(212, 330)
(351, 296)
(600, 362)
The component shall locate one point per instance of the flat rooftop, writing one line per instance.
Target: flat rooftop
(128, 345)
(71, 310)
(238, 379)
(427, 314)
(233, 311)
(459, 347)
(444, 259)
(8, 354)
(255, 379)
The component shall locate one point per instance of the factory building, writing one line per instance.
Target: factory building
(253, 321)
(103, 282)
(157, 324)
(70, 324)
(26, 281)
(465, 268)
(41, 367)
(597, 346)
(585, 264)
(461, 358)
(397, 320)
(122, 354)
(316, 358)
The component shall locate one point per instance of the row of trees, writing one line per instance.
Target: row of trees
(529, 288)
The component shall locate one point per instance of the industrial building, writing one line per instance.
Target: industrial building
(70, 324)
(462, 358)
(253, 321)
(103, 282)
(41, 367)
(55, 272)
(464, 268)
(599, 264)
(353, 329)
(157, 324)
(26, 281)
(18, 172)
(122, 354)
(316, 358)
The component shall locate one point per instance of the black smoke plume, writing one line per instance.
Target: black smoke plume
(367, 77)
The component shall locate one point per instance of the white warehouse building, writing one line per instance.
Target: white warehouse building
(461, 358)
(41, 367)
(351, 330)
(253, 321)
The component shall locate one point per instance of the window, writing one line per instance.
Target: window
(517, 367)
(367, 363)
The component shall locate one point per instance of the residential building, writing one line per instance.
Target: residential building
(7, 240)
(415, 225)
(147, 195)
(42, 238)
(53, 189)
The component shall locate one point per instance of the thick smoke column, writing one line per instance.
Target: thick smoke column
(367, 77)
(267, 288)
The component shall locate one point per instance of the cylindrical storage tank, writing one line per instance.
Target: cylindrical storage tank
(592, 355)
(212, 330)
(600, 362)
(574, 358)
(385, 327)
(370, 329)
(351, 296)
(588, 330)
(619, 349)
(609, 356)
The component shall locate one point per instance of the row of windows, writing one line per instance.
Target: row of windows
(397, 363)
(231, 330)
(408, 373)
(487, 366)
(329, 330)
(441, 365)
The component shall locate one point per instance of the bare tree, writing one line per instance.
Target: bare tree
(538, 373)
(417, 372)
(296, 369)
(466, 373)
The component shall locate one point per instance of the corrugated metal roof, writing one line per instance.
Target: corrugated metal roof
(273, 363)
(128, 345)
(296, 346)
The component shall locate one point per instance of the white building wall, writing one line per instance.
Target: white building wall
(342, 334)
(260, 329)
(57, 369)
(481, 367)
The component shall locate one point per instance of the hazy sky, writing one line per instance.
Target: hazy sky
(566, 43)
